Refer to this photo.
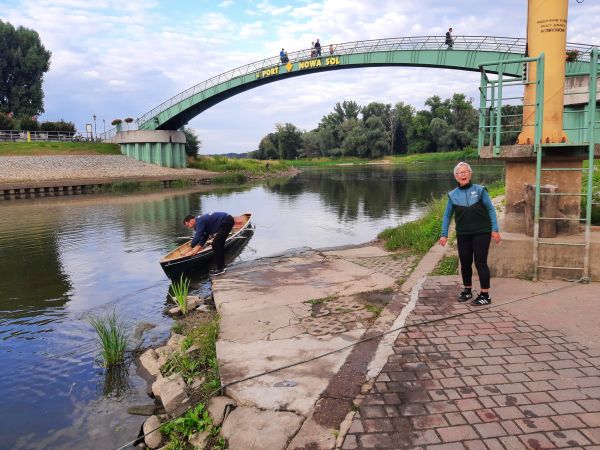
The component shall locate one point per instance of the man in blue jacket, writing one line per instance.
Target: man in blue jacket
(216, 224)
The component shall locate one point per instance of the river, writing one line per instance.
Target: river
(64, 259)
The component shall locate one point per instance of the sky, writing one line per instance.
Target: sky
(118, 59)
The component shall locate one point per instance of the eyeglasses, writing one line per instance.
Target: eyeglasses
(463, 173)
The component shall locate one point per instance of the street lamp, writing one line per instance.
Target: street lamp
(104, 123)
(95, 133)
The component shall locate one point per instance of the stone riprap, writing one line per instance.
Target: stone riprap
(76, 167)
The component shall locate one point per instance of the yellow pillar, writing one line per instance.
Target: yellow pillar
(547, 33)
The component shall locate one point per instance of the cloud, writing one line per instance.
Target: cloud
(118, 59)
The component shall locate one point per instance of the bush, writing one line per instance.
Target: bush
(60, 126)
(6, 122)
(192, 142)
(27, 123)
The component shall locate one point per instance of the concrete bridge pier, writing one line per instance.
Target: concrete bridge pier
(162, 147)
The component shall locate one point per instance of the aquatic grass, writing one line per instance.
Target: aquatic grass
(179, 293)
(112, 338)
(417, 236)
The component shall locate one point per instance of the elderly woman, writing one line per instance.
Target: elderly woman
(476, 226)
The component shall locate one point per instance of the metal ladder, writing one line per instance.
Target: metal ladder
(540, 149)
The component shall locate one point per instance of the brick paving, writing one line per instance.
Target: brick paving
(485, 380)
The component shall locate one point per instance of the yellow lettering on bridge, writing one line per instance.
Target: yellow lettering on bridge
(302, 65)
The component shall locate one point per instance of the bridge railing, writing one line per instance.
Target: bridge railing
(39, 136)
(472, 43)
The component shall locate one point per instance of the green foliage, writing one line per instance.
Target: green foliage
(182, 363)
(595, 191)
(204, 337)
(61, 126)
(448, 265)
(192, 142)
(22, 66)
(179, 293)
(6, 122)
(111, 335)
(374, 309)
(244, 165)
(179, 430)
(27, 123)
(419, 235)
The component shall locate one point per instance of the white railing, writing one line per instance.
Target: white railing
(40, 136)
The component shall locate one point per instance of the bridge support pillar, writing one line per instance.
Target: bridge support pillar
(162, 147)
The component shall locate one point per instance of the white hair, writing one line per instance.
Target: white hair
(462, 164)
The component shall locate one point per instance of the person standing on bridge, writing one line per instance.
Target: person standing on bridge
(449, 41)
(218, 224)
(476, 226)
(318, 48)
(283, 56)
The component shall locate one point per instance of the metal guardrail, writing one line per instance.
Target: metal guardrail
(108, 135)
(470, 43)
(39, 136)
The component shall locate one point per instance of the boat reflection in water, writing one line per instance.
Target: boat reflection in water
(175, 264)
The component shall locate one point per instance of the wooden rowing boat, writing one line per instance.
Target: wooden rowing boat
(176, 263)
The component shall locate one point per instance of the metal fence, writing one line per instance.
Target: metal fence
(470, 43)
(40, 136)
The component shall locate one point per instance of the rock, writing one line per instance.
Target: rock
(149, 361)
(248, 427)
(175, 311)
(173, 395)
(156, 386)
(154, 439)
(198, 440)
(163, 354)
(175, 341)
(144, 410)
(194, 302)
(140, 329)
(197, 383)
(192, 349)
(219, 407)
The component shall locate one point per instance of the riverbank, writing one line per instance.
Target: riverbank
(43, 175)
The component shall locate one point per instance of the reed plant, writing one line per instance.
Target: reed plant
(179, 293)
(112, 338)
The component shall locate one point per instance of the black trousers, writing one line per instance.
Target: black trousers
(218, 243)
(474, 247)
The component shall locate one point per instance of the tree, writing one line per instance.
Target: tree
(267, 149)
(6, 122)
(192, 142)
(22, 66)
(289, 140)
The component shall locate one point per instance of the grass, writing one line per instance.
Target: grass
(179, 293)
(448, 265)
(325, 161)
(178, 431)
(205, 337)
(374, 309)
(417, 236)
(111, 334)
(458, 155)
(58, 148)
(246, 166)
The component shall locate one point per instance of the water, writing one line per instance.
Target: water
(63, 259)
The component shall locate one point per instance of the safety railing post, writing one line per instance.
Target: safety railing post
(592, 144)
(497, 145)
(482, 109)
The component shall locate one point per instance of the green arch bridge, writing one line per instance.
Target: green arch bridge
(420, 51)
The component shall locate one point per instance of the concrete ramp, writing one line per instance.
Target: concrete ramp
(279, 311)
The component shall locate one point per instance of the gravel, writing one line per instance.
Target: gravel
(42, 168)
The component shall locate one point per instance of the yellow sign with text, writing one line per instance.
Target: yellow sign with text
(302, 65)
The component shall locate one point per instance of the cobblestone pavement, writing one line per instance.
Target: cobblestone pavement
(42, 168)
(396, 266)
(484, 380)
